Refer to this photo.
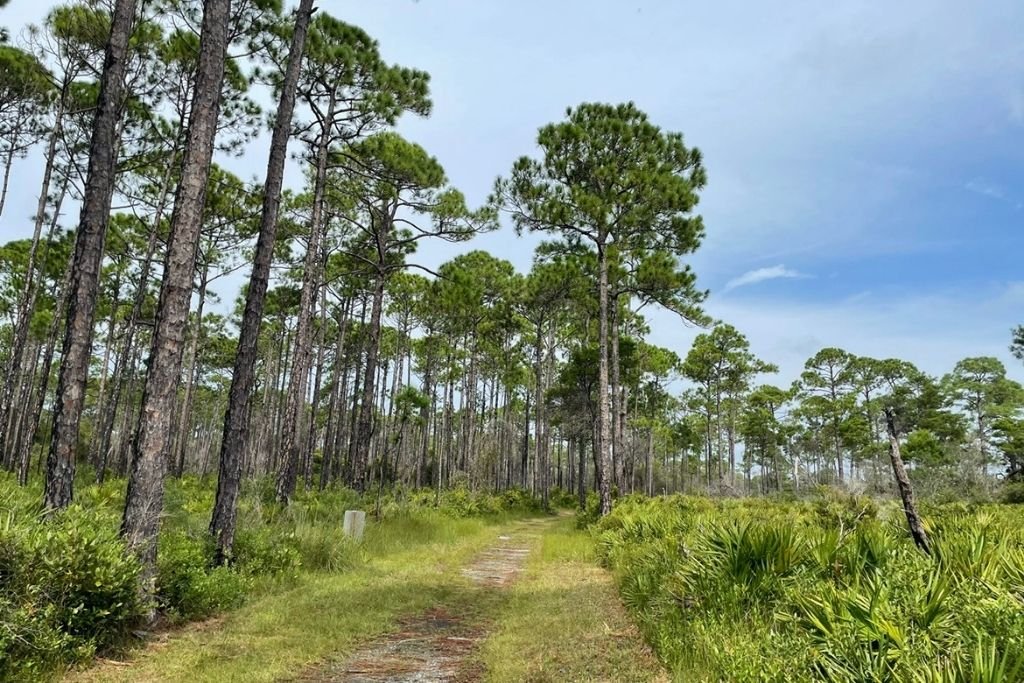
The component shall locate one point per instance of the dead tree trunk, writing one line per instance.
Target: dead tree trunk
(903, 484)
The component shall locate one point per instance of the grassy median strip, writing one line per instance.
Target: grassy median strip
(563, 621)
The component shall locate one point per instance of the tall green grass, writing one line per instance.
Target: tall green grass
(833, 589)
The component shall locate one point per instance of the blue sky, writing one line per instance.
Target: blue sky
(865, 159)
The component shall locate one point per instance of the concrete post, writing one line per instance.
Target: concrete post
(355, 522)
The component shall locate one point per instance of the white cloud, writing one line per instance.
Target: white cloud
(1016, 105)
(752, 277)
(983, 187)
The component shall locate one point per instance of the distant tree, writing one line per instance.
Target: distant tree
(611, 180)
(1009, 439)
(763, 432)
(542, 298)
(26, 89)
(1017, 345)
(403, 197)
(826, 389)
(350, 93)
(721, 365)
(980, 388)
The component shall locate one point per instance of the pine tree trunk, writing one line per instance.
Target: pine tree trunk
(357, 394)
(127, 350)
(364, 430)
(8, 163)
(618, 448)
(128, 418)
(85, 270)
(30, 288)
(538, 397)
(650, 462)
(603, 422)
(333, 410)
(102, 399)
(35, 415)
(730, 436)
(232, 445)
(25, 386)
(581, 477)
(298, 379)
(903, 484)
(144, 500)
(341, 431)
(191, 378)
(284, 360)
(426, 415)
(307, 457)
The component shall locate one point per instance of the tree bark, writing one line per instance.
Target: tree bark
(85, 270)
(191, 377)
(604, 434)
(903, 484)
(229, 474)
(617, 447)
(310, 432)
(364, 429)
(298, 379)
(127, 350)
(144, 500)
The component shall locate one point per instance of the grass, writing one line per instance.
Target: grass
(68, 588)
(563, 621)
(410, 564)
(560, 621)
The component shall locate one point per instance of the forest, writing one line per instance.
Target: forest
(202, 372)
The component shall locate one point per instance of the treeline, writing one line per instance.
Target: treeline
(834, 425)
(345, 362)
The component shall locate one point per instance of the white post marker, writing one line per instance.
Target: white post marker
(355, 522)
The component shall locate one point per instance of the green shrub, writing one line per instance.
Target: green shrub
(591, 513)
(563, 499)
(68, 588)
(261, 551)
(1012, 493)
(187, 586)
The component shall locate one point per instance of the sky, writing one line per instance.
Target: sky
(865, 160)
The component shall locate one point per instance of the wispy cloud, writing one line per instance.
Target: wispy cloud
(983, 187)
(1016, 102)
(752, 277)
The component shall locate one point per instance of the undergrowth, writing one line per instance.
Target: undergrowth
(832, 589)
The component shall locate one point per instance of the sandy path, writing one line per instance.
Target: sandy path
(434, 646)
